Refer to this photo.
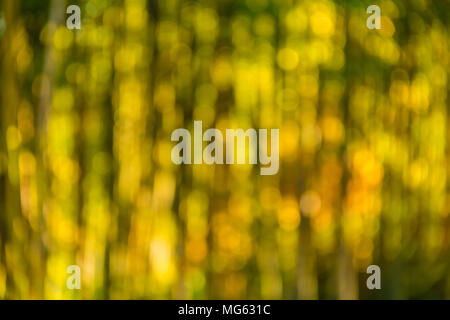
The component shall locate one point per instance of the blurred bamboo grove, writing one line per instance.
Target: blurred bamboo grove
(86, 176)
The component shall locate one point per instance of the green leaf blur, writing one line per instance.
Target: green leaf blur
(86, 176)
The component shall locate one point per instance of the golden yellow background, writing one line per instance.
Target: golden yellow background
(86, 176)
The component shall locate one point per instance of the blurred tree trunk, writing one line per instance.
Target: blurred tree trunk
(10, 205)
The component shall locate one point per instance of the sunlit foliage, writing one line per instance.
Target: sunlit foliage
(86, 176)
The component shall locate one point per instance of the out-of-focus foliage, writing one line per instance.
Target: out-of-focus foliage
(86, 176)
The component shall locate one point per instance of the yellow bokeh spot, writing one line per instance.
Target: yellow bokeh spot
(161, 258)
(287, 59)
(136, 16)
(289, 214)
(13, 137)
(387, 27)
(196, 250)
(332, 129)
(310, 203)
(62, 38)
(322, 21)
